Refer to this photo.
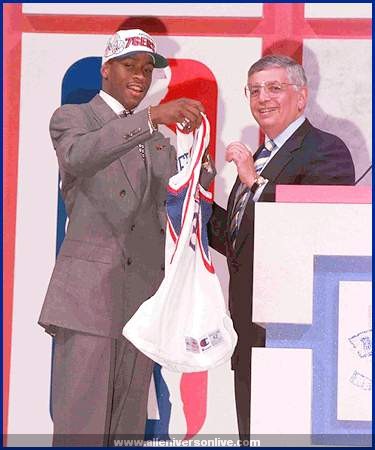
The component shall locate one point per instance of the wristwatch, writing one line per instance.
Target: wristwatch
(259, 181)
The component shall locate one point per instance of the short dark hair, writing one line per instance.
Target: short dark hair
(296, 73)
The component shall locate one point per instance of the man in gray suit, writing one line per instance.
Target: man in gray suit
(114, 167)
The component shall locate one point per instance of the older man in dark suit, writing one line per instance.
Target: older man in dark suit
(294, 152)
(114, 167)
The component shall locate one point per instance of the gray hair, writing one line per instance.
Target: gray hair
(295, 71)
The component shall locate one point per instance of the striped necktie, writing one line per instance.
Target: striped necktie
(243, 192)
(263, 156)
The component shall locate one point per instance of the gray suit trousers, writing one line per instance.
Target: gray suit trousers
(99, 390)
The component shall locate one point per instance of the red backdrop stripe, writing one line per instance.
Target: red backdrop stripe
(12, 16)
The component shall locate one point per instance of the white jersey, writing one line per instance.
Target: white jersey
(184, 326)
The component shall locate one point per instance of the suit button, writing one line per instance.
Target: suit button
(129, 261)
(162, 267)
(122, 193)
(132, 228)
(162, 231)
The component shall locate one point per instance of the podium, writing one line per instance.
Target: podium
(311, 385)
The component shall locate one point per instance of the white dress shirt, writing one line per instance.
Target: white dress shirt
(116, 106)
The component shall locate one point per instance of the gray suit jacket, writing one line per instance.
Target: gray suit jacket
(112, 258)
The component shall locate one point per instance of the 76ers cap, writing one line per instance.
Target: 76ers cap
(128, 42)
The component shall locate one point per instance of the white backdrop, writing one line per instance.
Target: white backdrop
(340, 102)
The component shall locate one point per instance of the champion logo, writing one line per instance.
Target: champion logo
(204, 342)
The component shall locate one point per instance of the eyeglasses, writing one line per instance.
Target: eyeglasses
(272, 88)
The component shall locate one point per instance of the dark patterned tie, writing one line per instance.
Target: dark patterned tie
(125, 113)
(243, 193)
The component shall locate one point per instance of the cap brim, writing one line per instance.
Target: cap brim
(160, 61)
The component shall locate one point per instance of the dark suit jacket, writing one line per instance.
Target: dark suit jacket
(311, 157)
(112, 258)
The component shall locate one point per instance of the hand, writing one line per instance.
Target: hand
(182, 110)
(207, 163)
(206, 157)
(242, 157)
(208, 171)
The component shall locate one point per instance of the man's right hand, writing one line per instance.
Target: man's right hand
(241, 155)
(182, 110)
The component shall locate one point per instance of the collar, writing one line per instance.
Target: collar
(115, 105)
(287, 133)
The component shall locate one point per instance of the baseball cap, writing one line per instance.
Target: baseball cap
(127, 42)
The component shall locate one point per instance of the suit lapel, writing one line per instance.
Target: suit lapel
(156, 148)
(131, 164)
(231, 199)
(285, 153)
(134, 170)
(102, 112)
(148, 163)
(272, 172)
